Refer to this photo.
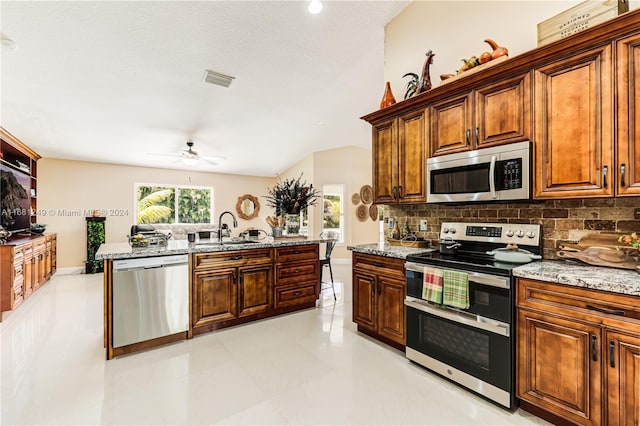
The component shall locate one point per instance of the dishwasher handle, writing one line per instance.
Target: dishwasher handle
(152, 262)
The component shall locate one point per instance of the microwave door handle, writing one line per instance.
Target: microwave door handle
(492, 179)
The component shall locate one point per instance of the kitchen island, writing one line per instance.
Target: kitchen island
(226, 284)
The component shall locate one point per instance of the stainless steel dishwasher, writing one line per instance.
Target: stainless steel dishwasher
(150, 298)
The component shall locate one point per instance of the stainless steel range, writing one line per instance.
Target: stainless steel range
(473, 346)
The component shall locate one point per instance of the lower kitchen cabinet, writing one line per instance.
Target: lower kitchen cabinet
(378, 297)
(578, 354)
(233, 287)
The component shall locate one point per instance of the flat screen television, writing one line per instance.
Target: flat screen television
(15, 199)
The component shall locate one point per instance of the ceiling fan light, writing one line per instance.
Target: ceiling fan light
(190, 161)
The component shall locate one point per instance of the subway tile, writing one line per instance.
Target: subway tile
(600, 225)
(561, 213)
(569, 224)
(628, 226)
(599, 202)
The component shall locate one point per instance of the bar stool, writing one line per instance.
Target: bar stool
(326, 261)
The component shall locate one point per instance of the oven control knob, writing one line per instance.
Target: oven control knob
(531, 234)
(445, 230)
(520, 233)
(510, 233)
(452, 230)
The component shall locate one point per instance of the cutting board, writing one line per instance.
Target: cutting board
(595, 240)
(600, 256)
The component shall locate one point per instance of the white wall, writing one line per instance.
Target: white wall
(67, 189)
(457, 29)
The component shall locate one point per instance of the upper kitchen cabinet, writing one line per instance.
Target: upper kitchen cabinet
(574, 140)
(494, 114)
(628, 75)
(399, 154)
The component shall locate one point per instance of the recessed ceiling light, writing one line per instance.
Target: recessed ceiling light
(315, 7)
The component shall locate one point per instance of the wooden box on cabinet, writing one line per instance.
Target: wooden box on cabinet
(378, 297)
(578, 353)
(399, 155)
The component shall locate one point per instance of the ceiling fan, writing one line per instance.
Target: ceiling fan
(191, 157)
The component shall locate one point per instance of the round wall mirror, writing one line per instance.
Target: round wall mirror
(247, 207)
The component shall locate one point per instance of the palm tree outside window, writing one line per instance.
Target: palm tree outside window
(173, 204)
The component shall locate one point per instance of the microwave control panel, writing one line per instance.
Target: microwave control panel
(508, 174)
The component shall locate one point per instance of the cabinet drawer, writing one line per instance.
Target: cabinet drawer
(291, 296)
(295, 253)
(232, 258)
(288, 273)
(569, 300)
(379, 264)
(39, 246)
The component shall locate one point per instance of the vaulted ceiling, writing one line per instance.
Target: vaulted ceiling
(121, 81)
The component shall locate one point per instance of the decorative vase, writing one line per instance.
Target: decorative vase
(292, 223)
(387, 98)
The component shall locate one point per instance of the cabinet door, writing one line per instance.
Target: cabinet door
(214, 296)
(254, 290)
(29, 276)
(559, 366)
(364, 299)
(573, 106)
(503, 112)
(391, 310)
(411, 158)
(385, 160)
(450, 125)
(623, 379)
(628, 73)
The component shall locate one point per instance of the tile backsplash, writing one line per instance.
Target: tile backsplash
(563, 221)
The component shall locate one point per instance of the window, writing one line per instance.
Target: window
(332, 211)
(173, 204)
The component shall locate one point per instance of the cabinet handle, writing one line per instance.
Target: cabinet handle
(373, 287)
(393, 192)
(594, 348)
(296, 271)
(297, 293)
(612, 354)
(399, 191)
(468, 136)
(379, 287)
(622, 170)
(605, 170)
(477, 135)
(606, 311)
(241, 278)
(236, 257)
(235, 276)
(378, 265)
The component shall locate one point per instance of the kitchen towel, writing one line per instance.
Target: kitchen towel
(432, 284)
(456, 289)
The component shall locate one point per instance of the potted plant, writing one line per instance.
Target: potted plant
(290, 197)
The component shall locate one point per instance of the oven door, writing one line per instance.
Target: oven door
(489, 295)
(473, 351)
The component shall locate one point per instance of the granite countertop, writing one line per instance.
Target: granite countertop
(387, 250)
(125, 251)
(624, 281)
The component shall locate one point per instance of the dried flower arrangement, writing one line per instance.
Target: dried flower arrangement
(291, 196)
(632, 240)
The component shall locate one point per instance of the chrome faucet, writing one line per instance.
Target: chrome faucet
(235, 223)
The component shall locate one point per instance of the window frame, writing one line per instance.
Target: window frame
(342, 215)
(176, 188)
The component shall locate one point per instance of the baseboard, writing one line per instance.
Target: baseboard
(70, 270)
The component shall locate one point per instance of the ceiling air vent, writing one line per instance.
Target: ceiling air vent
(217, 78)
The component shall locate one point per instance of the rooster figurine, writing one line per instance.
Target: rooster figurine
(425, 79)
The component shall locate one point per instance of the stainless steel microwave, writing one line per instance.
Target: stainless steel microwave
(490, 174)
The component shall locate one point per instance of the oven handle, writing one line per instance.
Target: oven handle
(476, 277)
(475, 321)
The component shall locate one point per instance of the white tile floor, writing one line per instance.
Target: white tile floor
(310, 367)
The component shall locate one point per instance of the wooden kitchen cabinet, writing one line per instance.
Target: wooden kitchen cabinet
(574, 139)
(578, 353)
(399, 155)
(230, 285)
(378, 298)
(628, 118)
(23, 268)
(297, 282)
(494, 114)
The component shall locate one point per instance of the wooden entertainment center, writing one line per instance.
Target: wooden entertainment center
(27, 260)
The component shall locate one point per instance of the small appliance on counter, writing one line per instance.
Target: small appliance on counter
(145, 235)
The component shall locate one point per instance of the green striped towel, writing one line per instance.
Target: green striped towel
(456, 289)
(432, 284)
